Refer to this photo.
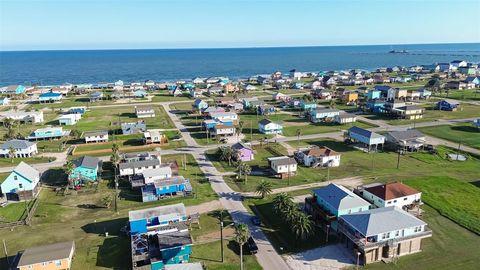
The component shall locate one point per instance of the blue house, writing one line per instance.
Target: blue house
(448, 105)
(159, 237)
(49, 97)
(366, 137)
(386, 91)
(307, 106)
(323, 114)
(80, 110)
(4, 101)
(188, 86)
(13, 89)
(424, 93)
(199, 104)
(48, 133)
(21, 183)
(334, 200)
(376, 105)
(86, 170)
(265, 109)
(476, 123)
(209, 123)
(266, 126)
(165, 187)
(374, 94)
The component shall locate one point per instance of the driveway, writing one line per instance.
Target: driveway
(329, 257)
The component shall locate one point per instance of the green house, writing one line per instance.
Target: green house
(86, 170)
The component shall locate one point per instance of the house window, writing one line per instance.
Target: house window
(58, 263)
(418, 229)
(20, 185)
(397, 233)
(15, 177)
(386, 235)
(389, 202)
(44, 263)
(394, 201)
(405, 199)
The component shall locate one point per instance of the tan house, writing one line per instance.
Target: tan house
(50, 257)
(409, 112)
(401, 93)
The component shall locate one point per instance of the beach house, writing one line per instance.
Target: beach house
(22, 116)
(159, 237)
(282, 166)
(48, 133)
(96, 136)
(382, 233)
(199, 105)
(345, 118)
(49, 97)
(154, 136)
(22, 149)
(368, 138)
(448, 105)
(133, 127)
(266, 126)
(318, 156)
(57, 256)
(69, 119)
(4, 101)
(137, 163)
(332, 201)
(86, 170)
(222, 130)
(161, 188)
(21, 183)
(245, 153)
(13, 89)
(405, 140)
(307, 105)
(320, 115)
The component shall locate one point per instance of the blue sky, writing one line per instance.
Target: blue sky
(101, 24)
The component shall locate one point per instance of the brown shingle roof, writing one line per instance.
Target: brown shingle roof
(321, 151)
(391, 191)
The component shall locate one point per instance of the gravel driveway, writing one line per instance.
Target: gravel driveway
(330, 257)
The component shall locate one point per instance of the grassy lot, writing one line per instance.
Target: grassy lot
(209, 223)
(107, 118)
(465, 133)
(315, 128)
(74, 101)
(454, 199)
(164, 97)
(61, 218)
(14, 211)
(279, 233)
(209, 254)
(450, 247)
(7, 162)
(472, 94)
(26, 129)
(181, 106)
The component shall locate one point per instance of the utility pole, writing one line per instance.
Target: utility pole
(251, 131)
(6, 254)
(221, 234)
(458, 149)
(398, 159)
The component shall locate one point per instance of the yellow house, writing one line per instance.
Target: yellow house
(350, 97)
(50, 257)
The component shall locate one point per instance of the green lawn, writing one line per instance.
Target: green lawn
(14, 211)
(315, 128)
(74, 101)
(472, 94)
(181, 106)
(459, 201)
(450, 247)
(7, 162)
(465, 133)
(165, 97)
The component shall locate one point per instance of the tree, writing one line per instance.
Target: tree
(244, 169)
(264, 188)
(301, 225)
(299, 132)
(226, 153)
(241, 237)
(68, 168)
(75, 133)
(281, 202)
(107, 201)
(11, 152)
(115, 148)
(262, 141)
(333, 103)
(240, 127)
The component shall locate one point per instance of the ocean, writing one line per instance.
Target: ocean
(93, 66)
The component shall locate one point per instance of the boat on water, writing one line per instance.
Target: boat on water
(398, 51)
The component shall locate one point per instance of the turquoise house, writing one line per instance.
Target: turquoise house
(307, 106)
(14, 89)
(336, 200)
(159, 236)
(140, 94)
(86, 170)
(374, 94)
(49, 97)
(21, 183)
(47, 133)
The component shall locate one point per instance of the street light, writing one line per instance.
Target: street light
(221, 233)
(328, 227)
(358, 258)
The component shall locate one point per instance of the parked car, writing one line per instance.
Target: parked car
(256, 221)
(251, 246)
(3, 204)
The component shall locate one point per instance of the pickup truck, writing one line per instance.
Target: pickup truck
(251, 245)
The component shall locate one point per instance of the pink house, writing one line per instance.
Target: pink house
(245, 153)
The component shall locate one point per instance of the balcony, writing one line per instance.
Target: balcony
(317, 213)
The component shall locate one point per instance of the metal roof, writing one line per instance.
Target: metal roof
(410, 134)
(364, 132)
(177, 210)
(340, 197)
(27, 171)
(184, 266)
(46, 253)
(96, 133)
(87, 162)
(17, 144)
(139, 163)
(381, 220)
(174, 239)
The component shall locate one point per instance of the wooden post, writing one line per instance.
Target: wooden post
(6, 254)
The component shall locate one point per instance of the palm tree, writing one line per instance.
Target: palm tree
(264, 188)
(301, 226)
(68, 168)
(115, 148)
(11, 152)
(282, 201)
(240, 127)
(262, 141)
(241, 237)
(246, 171)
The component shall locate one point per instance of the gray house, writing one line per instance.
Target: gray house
(134, 127)
(406, 140)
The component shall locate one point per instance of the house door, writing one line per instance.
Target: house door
(13, 197)
(385, 251)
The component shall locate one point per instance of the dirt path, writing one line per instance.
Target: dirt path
(214, 236)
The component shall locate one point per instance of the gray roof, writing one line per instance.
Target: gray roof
(139, 163)
(157, 171)
(172, 209)
(174, 239)
(46, 253)
(340, 197)
(17, 144)
(176, 180)
(405, 135)
(27, 171)
(284, 160)
(184, 266)
(381, 220)
(320, 110)
(96, 133)
(87, 162)
(364, 132)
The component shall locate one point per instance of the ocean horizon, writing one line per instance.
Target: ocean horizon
(49, 67)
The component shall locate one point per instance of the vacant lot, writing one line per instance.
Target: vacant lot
(454, 199)
(473, 94)
(7, 162)
(465, 133)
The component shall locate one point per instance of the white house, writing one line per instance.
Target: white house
(391, 194)
(4, 101)
(345, 118)
(323, 114)
(33, 117)
(266, 126)
(319, 156)
(144, 112)
(225, 117)
(96, 136)
(138, 165)
(283, 165)
(69, 119)
(22, 148)
(223, 130)
(151, 175)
